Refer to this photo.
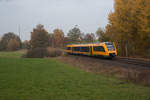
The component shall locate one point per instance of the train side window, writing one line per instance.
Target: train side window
(76, 48)
(68, 48)
(84, 49)
(99, 48)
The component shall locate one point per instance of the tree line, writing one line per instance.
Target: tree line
(41, 38)
(129, 27)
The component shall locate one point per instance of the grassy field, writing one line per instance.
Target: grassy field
(48, 79)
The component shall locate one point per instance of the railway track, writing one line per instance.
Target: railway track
(138, 63)
(134, 61)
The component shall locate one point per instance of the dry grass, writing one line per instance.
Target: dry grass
(109, 68)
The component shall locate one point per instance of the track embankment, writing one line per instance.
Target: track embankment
(134, 61)
(130, 70)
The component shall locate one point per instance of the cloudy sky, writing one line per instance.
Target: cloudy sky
(64, 14)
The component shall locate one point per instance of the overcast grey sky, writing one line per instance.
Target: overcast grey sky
(63, 14)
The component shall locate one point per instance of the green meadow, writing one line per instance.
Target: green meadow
(48, 79)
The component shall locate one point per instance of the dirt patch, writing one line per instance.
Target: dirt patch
(110, 68)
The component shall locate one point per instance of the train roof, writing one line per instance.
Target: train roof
(89, 43)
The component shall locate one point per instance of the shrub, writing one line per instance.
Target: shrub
(43, 52)
(13, 45)
(54, 52)
(37, 53)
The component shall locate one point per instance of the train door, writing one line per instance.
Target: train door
(91, 51)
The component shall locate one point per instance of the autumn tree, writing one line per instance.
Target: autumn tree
(142, 12)
(58, 38)
(39, 37)
(51, 39)
(13, 45)
(120, 25)
(6, 38)
(39, 43)
(89, 37)
(74, 35)
(102, 36)
(128, 26)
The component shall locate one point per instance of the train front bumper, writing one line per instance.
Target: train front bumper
(112, 54)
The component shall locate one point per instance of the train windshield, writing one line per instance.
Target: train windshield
(110, 46)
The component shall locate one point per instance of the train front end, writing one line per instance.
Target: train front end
(111, 49)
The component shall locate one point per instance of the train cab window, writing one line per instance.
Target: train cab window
(84, 49)
(68, 48)
(99, 48)
(76, 48)
(110, 46)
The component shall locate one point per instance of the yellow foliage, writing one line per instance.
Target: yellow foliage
(129, 26)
